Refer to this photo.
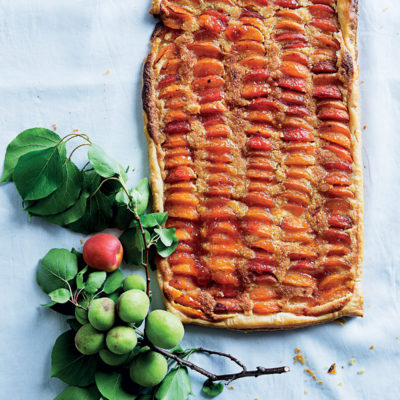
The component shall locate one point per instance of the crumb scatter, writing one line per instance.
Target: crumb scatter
(332, 369)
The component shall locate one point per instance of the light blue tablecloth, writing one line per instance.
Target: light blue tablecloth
(77, 64)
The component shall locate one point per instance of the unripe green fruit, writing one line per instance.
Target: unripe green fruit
(164, 329)
(112, 359)
(133, 306)
(148, 369)
(102, 314)
(134, 281)
(121, 339)
(89, 341)
(81, 315)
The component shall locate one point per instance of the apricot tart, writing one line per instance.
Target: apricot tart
(251, 117)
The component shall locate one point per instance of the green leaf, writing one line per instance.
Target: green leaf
(50, 304)
(132, 242)
(176, 385)
(122, 218)
(167, 236)
(166, 251)
(60, 296)
(70, 215)
(79, 278)
(121, 197)
(69, 365)
(95, 281)
(110, 386)
(102, 163)
(141, 196)
(97, 215)
(26, 142)
(77, 393)
(91, 180)
(38, 173)
(55, 269)
(154, 219)
(113, 282)
(212, 389)
(64, 197)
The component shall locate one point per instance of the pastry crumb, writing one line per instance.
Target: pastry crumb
(300, 358)
(385, 9)
(320, 382)
(352, 361)
(311, 373)
(107, 72)
(54, 126)
(340, 384)
(305, 392)
(371, 347)
(340, 321)
(75, 130)
(361, 371)
(365, 127)
(332, 369)
(231, 387)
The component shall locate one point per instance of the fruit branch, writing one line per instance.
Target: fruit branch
(145, 264)
(146, 250)
(244, 373)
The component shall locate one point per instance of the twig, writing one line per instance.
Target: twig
(146, 249)
(225, 377)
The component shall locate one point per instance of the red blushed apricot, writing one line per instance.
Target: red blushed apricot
(262, 293)
(327, 92)
(205, 49)
(338, 178)
(224, 305)
(324, 24)
(321, 10)
(211, 23)
(294, 224)
(265, 307)
(249, 46)
(301, 280)
(287, 3)
(342, 153)
(296, 84)
(340, 221)
(297, 135)
(333, 280)
(103, 252)
(324, 67)
(243, 32)
(208, 66)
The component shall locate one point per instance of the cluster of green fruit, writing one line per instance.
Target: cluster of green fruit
(109, 329)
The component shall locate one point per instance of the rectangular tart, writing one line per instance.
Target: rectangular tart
(251, 116)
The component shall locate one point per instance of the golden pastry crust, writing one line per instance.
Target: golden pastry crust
(351, 304)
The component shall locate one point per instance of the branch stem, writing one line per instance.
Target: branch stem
(244, 373)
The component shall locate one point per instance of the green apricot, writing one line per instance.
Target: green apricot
(133, 306)
(112, 359)
(102, 314)
(121, 339)
(134, 281)
(164, 329)
(81, 315)
(89, 341)
(148, 369)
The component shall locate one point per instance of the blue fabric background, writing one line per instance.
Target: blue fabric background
(77, 64)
